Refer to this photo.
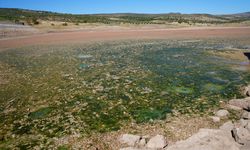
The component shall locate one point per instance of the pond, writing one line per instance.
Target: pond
(102, 87)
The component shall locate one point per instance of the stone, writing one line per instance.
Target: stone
(222, 113)
(232, 107)
(246, 115)
(246, 146)
(247, 90)
(248, 126)
(129, 139)
(157, 142)
(215, 119)
(243, 123)
(227, 126)
(207, 139)
(235, 135)
(142, 142)
(241, 135)
(241, 103)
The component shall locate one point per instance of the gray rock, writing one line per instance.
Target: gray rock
(235, 135)
(129, 139)
(246, 146)
(215, 119)
(241, 103)
(222, 113)
(241, 135)
(248, 126)
(142, 142)
(246, 115)
(243, 123)
(233, 107)
(228, 127)
(207, 139)
(157, 142)
(247, 90)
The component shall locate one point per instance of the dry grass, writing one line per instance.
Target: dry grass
(235, 54)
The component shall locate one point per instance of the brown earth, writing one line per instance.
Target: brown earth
(104, 35)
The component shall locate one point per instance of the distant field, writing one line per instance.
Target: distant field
(30, 17)
(20, 22)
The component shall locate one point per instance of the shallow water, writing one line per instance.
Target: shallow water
(101, 87)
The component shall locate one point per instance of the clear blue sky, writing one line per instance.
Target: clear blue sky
(133, 6)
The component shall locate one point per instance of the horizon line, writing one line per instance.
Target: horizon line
(123, 12)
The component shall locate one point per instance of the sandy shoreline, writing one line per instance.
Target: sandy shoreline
(105, 35)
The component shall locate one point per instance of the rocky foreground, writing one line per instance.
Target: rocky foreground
(229, 136)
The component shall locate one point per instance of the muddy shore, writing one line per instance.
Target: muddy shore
(105, 35)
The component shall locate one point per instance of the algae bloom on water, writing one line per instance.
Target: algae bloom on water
(105, 86)
(213, 87)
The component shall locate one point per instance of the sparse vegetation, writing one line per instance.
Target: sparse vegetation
(31, 17)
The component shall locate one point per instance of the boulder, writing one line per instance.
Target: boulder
(222, 113)
(243, 123)
(232, 107)
(247, 90)
(241, 103)
(129, 139)
(248, 126)
(215, 119)
(235, 135)
(157, 142)
(246, 146)
(227, 127)
(246, 115)
(142, 142)
(207, 139)
(241, 135)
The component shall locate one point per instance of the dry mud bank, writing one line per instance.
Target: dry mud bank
(85, 36)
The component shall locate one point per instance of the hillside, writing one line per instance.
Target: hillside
(33, 17)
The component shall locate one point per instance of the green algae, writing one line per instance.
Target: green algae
(183, 90)
(105, 86)
(213, 87)
(41, 113)
(147, 114)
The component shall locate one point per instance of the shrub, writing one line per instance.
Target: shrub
(35, 22)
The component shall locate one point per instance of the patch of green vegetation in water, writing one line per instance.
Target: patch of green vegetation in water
(147, 114)
(183, 90)
(213, 87)
(41, 113)
(83, 66)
